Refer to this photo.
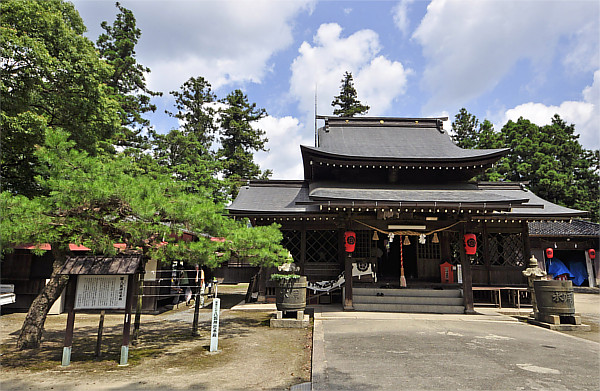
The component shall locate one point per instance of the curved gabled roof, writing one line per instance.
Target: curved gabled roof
(393, 139)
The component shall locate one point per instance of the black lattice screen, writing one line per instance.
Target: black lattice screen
(321, 246)
(506, 249)
(456, 241)
(291, 241)
(429, 250)
(364, 244)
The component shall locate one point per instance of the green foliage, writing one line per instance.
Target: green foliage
(50, 78)
(195, 111)
(549, 157)
(127, 80)
(239, 140)
(347, 100)
(284, 277)
(186, 152)
(97, 201)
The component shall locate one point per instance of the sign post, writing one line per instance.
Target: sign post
(214, 328)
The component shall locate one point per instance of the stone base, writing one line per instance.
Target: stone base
(298, 322)
(560, 327)
(573, 319)
(559, 322)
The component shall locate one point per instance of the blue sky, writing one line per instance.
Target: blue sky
(499, 59)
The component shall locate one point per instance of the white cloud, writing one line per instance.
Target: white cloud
(322, 65)
(584, 114)
(470, 45)
(285, 137)
(226, 41)
(400, 14)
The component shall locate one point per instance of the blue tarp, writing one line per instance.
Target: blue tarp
(556, 267)
(577, 272)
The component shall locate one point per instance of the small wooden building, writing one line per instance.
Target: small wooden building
(406, 191)
(571, 241)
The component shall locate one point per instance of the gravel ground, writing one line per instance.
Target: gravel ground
(251, 355)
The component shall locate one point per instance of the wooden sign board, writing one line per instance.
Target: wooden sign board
(101, 292)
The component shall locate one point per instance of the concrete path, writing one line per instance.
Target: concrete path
(383, 351)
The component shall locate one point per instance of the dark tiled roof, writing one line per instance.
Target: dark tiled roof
(99, 265)
(564, 228)
(272, 197)
(277, 197)
(448, 193)
(538, 207)
(408, 139)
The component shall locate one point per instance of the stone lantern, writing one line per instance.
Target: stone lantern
(533, 272)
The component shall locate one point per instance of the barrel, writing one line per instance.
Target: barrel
(290, 294)
(554, 297)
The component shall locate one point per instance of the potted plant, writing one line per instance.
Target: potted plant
(290, 288)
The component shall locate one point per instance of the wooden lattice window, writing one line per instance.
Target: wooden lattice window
(506, 249)
(321, 246)
(364, 244)
(456, 241)
(429, 250)
(292, 241)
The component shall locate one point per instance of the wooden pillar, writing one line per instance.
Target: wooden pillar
(347, 262)
(486, 253)
(467, 275)
(98, 352)
(127, 320)
(445, 246)
(138, 308)
(526, 243)
(70, 307)
(262, 284)
(303, 249)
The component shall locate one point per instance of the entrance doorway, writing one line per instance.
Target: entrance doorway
(388, 265)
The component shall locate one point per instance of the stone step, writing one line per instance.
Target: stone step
(407, 292)
(433, 309)
(414, 300)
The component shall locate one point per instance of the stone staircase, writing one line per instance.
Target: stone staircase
(439, 301)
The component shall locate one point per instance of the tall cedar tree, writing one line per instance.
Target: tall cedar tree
(347, 100)
(102, 200)
(550, 157)
(117, 47)
(50, 78)
(186, 152)
(239, 140)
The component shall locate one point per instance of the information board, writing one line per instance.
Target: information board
(100, 292)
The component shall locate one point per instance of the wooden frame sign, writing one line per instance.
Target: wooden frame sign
(101, 292)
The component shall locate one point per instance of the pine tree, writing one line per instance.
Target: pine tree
(127, 80)
(347, 100)
(97, 201)
(464, 128)
(239, 140)
(186, 152)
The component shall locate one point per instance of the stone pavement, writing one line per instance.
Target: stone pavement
(385, 351)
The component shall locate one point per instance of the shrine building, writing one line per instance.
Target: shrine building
(404, 194)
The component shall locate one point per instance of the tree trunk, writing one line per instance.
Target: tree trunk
(31, 331)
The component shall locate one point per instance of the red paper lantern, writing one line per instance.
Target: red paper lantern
(592, 253)
(349, 241)
(549, 253)
(470, 244)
